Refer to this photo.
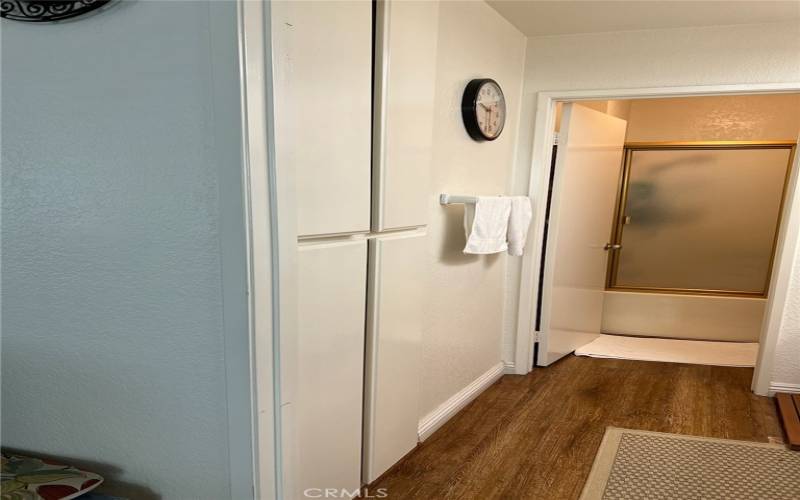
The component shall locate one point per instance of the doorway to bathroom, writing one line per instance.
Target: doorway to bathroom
(665, 226)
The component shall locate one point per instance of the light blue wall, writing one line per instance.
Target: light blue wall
(124, 344)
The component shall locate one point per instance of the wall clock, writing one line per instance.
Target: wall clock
(483, 109)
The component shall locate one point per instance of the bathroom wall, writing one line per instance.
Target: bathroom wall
(124, 321)
(464, 306)
(715, 118)
(757, 53)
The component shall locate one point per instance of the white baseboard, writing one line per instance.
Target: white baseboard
(781, 387)
(509, 368)
(435, 419)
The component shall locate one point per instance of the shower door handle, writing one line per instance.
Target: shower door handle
(609, 246)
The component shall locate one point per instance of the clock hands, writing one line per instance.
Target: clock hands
(489, 110)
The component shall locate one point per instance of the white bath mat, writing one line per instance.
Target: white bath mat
(696, 352)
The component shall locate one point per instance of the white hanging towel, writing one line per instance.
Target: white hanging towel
(486, 224)
(518, 223)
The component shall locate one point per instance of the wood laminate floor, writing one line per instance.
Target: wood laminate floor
(535, 436)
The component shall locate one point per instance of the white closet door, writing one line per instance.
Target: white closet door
(405, 77)
(323, 75)
(393, 349)
(330, 349)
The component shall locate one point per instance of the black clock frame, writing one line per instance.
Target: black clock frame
(469, 105)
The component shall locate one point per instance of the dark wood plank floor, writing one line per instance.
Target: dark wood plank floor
(535, 436)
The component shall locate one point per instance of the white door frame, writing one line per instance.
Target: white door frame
(541, 157)
(258, 152)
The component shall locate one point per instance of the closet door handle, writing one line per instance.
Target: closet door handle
(609, 246)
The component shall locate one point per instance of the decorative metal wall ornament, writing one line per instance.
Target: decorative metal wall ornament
(38, 11)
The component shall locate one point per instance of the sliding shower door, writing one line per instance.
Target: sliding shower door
(699, 218)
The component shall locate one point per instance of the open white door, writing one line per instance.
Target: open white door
(587, 174)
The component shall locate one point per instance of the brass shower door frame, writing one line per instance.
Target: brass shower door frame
(622, 199)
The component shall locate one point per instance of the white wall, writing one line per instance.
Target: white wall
(787, 351)
(464, 307)
(124, 320)
(761, 53)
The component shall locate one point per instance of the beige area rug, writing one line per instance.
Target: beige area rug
(635, 465)
(697, 352)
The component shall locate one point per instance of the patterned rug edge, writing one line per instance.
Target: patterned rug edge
(607, 451)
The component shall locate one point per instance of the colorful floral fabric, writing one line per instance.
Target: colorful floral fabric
(28, 478)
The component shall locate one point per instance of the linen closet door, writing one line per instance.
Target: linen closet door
(323, 53)
(323, 98)
(406, 35)
(331, 296)
(394, 337)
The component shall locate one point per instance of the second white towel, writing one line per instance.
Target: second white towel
(486, 225)
(518, 224)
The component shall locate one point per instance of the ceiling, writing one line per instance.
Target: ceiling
(548, 17)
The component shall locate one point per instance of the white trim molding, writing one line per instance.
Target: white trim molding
(782, 387)
(258, 150)
(780, 283)
(447, 410)
(509, 368)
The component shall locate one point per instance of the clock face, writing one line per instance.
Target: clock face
(484, 109)
(490, 110)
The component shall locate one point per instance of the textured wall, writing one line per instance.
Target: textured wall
(121, 203)
(759, 53)
(787, 352)
(715, 118)
(464, 315)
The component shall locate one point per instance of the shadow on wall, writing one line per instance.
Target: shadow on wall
(110, 486)
(451, 252)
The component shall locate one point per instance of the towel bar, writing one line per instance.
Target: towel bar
(449, 199)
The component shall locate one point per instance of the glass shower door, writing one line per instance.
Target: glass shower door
(699, 218)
